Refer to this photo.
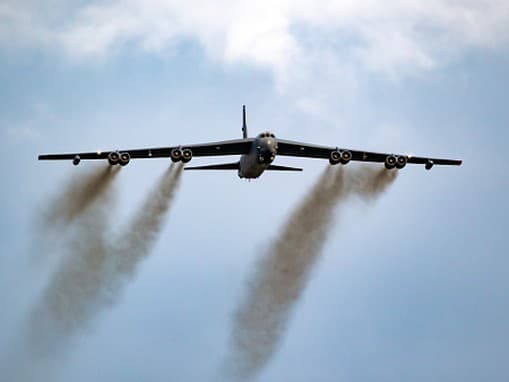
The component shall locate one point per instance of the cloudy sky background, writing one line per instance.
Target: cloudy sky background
(412, 287)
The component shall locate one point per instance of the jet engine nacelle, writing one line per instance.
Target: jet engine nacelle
(340, 156)
(113, 158)
(187, 155)
(76, 160)
(401, 161)
(429, 165)
(176, 155)
(346, 156)
(335, 157)
(124, 159)
(390, 162)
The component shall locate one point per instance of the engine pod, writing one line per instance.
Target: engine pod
(346, 156)
(124, 159)
(401, 161)
(113, 158)
(390, 162)
(176, 155)
(187, 155)
(335, 157)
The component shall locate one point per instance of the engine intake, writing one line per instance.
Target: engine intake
(124, 159)
(335, 157)
(390, 162)
(401, 161)
(346, 156)
(176, 155)
(187, 155)
(429, 164)
(76, 160)
(113, 158)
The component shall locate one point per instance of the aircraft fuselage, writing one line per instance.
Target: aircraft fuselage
(262, 154)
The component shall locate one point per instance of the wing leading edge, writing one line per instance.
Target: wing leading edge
(243, 146)
(229, 147)
(299, 149)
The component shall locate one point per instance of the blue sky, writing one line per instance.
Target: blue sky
(411, 287)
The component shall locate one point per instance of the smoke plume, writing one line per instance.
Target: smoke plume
(76, 220)
(90, 277)
(138, 238)
(79, 194)
(83, 283)
(71, 297)
(73, 200)
(281, 275)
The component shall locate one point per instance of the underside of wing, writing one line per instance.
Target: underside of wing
(176, 153)
(299, 149)
(337, 155)
(231, 147)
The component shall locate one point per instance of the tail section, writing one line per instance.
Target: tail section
(274, 167)
(244, 123)
(224, 166)
(236, 166)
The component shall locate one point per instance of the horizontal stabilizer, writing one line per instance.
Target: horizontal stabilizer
(224, 166)
(274, 167)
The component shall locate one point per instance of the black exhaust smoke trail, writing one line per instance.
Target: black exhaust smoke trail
(90, 278)
(138, 238)
(282, 274)
(86, 203)
(79, 194)
(83, 284)
(68, 301)
(73, 200)
(81, 223)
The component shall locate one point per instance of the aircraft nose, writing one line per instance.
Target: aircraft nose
(267, 150)
(271, 144)
(269, 155)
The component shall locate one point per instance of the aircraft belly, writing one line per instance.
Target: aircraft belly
(250, 168)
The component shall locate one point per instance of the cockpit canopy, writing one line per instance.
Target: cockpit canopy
(266, 134)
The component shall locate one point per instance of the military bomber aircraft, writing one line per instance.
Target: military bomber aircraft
(256, 154)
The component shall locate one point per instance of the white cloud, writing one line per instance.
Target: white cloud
(308, 45)
(381, 36)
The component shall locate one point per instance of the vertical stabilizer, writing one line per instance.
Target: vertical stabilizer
(244, 123)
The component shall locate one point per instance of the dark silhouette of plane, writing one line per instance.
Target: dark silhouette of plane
(256, 154)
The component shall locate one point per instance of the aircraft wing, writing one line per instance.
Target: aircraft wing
(230, 147)
(306, 150)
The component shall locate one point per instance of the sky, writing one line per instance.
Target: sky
(412, 286)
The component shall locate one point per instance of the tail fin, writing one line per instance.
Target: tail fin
(244, 123)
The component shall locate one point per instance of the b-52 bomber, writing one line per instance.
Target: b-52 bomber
(256, 154)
